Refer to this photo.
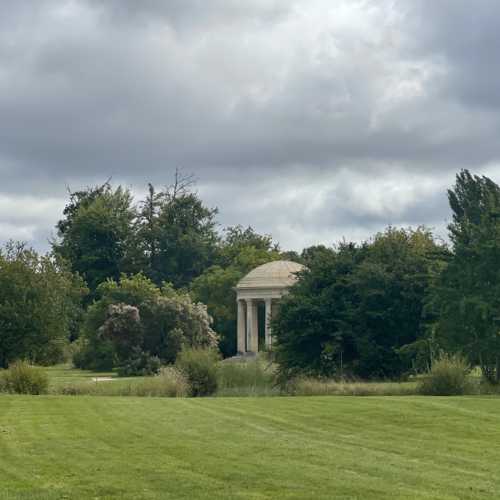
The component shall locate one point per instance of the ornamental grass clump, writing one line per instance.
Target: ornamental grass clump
(23, 378)
(200, 368)
(448, 376)
(254, 377)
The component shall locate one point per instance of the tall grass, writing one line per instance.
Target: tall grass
(317, 387)
(448, 376)
(254, 377)
(23, 378)
(169, 383)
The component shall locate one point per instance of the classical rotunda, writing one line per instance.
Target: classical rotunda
(265, 285)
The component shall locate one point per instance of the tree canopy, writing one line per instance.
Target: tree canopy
(39, 305)
(466, 299)
(356, 307)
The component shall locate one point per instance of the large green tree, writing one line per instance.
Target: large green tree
(96, 234)
(177, 233)
(40, 300)
(466, 301)
(356, 307)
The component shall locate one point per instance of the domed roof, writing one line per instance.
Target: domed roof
(276, 274)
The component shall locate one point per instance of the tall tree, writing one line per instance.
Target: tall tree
(96, 233)
(178, 233)
(467, 294)
(39, 302)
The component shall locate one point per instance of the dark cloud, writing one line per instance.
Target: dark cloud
(328, 119)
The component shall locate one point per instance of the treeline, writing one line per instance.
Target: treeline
(131, 279)
(128, 284)
(390, 306)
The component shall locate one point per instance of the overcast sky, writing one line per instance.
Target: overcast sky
(311, 120)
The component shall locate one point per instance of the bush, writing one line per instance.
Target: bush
(3, 383)
(23, 378)
(200, 368)
(141, 364)
(449, 376)
(98, 356)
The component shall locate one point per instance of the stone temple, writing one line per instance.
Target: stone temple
(265, 285)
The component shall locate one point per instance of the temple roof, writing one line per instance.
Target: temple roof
(276, 274)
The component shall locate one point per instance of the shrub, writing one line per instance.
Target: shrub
(23, 378)
(135, 315)
(448, 376)
(141, 364)
(97, 356)
(3, 383)
(200, 368)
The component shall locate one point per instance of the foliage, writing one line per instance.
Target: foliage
(134, 318)
(448, 376)
(200, 368)
(40, 301)
(240, 251)
(466, 299)
(355, 308)
(176, 232)
(96, 233)
(23, 378)
(140, 364)
(123, 328)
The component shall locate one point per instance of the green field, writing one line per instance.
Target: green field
(57, 447)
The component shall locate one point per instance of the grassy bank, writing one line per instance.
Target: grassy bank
(54, 447)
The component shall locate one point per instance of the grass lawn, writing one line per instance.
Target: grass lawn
(55, 447)
(65, 374)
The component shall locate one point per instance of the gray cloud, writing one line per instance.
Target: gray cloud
(311, 120)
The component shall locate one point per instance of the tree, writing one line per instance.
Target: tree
(133, 317)
(96, 233)
(40, 300)
(240, 251)
(314, 326)
(177, 232)
(392, 284)
(355, 307)
(148, 234)
(466, 299)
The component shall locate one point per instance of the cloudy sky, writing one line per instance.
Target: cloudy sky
(312, 120)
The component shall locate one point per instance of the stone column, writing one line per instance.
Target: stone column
(269, 339)
(252, 326)
(241, 327)
(249, 323)
(255, 327)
